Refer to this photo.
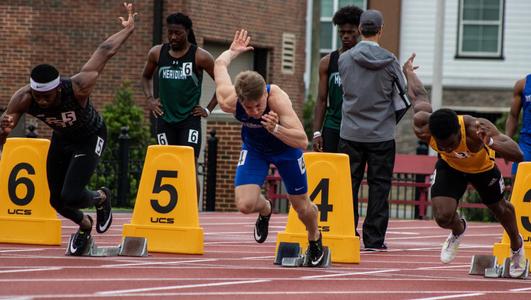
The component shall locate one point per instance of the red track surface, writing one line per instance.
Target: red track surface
(236, 267)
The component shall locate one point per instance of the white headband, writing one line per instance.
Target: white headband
(44, 87)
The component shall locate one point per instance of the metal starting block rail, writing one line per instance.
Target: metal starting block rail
(487, 266)
(130, 246)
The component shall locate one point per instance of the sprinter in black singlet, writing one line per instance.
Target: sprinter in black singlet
(79, 134)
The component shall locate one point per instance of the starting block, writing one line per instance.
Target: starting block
(502, 271)
(130, 246)
(287, 250)
(289, 255)
(480, 263)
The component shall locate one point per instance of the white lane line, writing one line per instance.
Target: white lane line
(403, 232)
(22, 250)
(175, 287)
(443, 267)
(157, 263)
(258, 293)
(451, 296)
(348, 274)
(441, 236)
(257, 257)
(520, 290)
(30, 270)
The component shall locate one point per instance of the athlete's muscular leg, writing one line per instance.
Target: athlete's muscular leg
(505, 214)
(445, 212)
(307, 212)
(250, 200)
(57, 164)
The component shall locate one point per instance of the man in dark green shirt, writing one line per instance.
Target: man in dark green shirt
(347, 20)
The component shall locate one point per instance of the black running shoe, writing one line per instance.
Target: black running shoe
(315, 253)
(261, 227)
(104, 212)
(381, 248)
(80, 240)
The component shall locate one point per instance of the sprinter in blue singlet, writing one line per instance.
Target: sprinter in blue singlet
(271, 134)
(521, 102)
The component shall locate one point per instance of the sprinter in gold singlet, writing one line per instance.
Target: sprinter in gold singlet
(466, 147)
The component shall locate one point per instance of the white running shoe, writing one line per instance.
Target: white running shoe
(450, 246)
(518, 264)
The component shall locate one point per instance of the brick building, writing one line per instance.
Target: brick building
(64, 33)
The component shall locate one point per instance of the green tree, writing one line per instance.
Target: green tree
(307, 115)
(500, 124)
(123, 112)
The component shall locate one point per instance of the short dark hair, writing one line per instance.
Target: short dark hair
(349, 14)
(443, 123)
(249, 86)
(44, 73)
(370, 31)
(182, 19)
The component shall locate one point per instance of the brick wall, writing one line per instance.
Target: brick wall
(64, 33)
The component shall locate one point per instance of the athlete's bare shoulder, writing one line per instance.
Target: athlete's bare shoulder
(21, 100)
(154, 53)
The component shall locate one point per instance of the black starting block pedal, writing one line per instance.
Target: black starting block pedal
(287, 250)
(480, 263)
(130, 246)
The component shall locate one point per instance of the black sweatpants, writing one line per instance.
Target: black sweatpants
(70, 165)
(380, 159)
(330, 139)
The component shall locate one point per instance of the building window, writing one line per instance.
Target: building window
(480, 28)
(328, 35)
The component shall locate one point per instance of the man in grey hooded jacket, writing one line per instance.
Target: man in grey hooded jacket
(370, 76)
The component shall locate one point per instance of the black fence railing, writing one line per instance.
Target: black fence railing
(122, 174)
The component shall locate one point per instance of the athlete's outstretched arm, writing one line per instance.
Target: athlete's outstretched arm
(498, 141)
(283, 122)
(419, 97)
(225, 92)
(85, 80)
(511, 125)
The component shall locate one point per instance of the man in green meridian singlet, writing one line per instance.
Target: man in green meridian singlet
(179, 65)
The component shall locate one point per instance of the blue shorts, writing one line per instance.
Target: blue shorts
(525, 145)
(253, 167)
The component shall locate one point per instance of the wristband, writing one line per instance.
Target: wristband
(316, 134)
(275, 130)
(207, 111)
(491, 141)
